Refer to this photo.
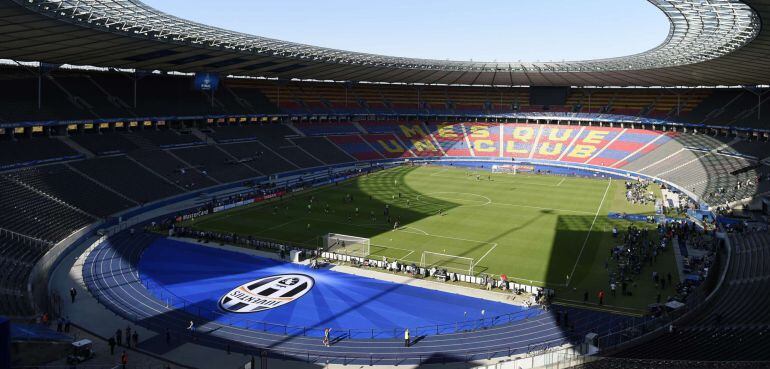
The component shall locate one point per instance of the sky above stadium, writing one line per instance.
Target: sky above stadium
(479, 30)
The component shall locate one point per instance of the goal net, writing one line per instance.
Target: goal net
(452, 263)
(511, 169)
(346, 245)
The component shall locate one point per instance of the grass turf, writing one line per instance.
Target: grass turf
(540, 230)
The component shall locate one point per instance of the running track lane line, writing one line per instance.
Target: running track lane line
(518, 332)
(250, 339)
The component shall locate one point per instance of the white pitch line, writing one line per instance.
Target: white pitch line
(439, 172)
(418, 230)
(560, 182)
(589, 231)
(494, 246)
(280, 225)
(539, 208)
(407, 255)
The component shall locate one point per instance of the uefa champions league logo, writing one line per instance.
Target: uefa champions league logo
(266, 293)
(206, 85)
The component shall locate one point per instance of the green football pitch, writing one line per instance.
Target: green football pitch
(541, 230)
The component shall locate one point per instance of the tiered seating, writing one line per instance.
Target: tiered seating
(170, 95)
(99, 103)
(370, 99)
(757, 149)
(722, 186)
(593, 144)
(704, 142)
(19, 99)
(17, 258)
(735, 326)
(127, 177)
(274, 137)
(104, 144)
(258, 157)
(355, 146)
(215, 163)
(451, 138)
(61, 182)
(25, 211)
(635, 102)
(677, 161)
(168, 138)
(643, 159)
(323, 149)
(413, 136)
(31, 151)
(251, 96)
(692, 161)
(165, 164)
(326, 128)
(632, 145)
(235, 133)
(388, 145)
(484, 138)
(554, 142)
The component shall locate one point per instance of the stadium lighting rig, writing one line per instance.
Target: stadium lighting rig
(701, 30)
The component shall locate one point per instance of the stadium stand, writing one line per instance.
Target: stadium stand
(322, 149)
(104, 144)
(259, 157)
(34, 151)
(728, 330)
(326, 128)
(30, 213)
(213, 162)
(126, 177)
(355, 146)
(18, 255)
(166, 165)
(101, 120)
(59, 181)
(166, 138)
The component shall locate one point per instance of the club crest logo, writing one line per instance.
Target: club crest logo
(266, 293)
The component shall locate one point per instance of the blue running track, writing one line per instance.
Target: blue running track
(200, 275)
(182, 282)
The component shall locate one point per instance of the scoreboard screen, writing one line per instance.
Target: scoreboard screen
(206, 81)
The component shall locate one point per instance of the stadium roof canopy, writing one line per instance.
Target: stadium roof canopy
(710, 43)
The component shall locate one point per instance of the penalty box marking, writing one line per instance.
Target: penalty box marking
(422, 233)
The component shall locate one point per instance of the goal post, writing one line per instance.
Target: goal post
(453, 263)
(347, 245)
(508, 169)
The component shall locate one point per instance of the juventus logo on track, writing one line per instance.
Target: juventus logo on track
(266, 293)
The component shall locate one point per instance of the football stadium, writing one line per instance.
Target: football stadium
(179, 194)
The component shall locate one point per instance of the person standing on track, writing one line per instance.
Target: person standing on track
(124, 359)
(326, 336)
(191, 328)
(406, 337)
